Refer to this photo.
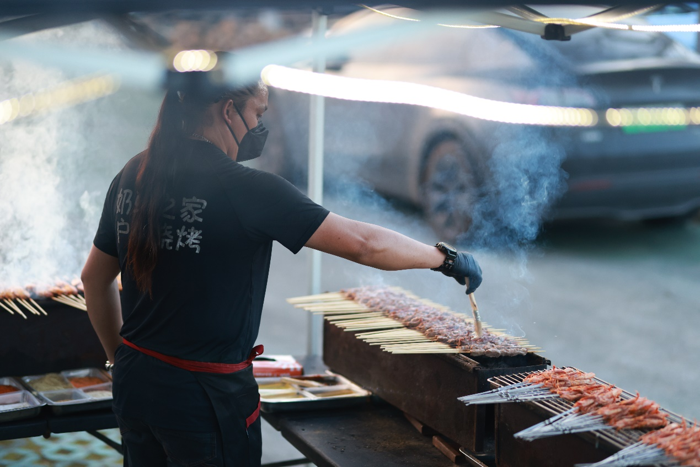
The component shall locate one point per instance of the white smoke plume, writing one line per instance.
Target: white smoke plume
(55, 167)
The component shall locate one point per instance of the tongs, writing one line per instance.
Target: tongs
(475, 311)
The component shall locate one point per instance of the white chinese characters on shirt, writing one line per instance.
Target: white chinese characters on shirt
(124, 208)
(184, 238)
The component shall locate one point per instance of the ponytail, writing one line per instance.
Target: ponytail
(154, 178)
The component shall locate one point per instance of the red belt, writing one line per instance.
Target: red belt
(206, 367)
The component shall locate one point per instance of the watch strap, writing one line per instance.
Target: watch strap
(450, 257)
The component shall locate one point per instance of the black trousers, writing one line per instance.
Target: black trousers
(149, 446)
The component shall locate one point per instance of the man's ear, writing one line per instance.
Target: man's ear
(227, 110)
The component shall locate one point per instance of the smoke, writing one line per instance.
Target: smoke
(525, 180)
(55, 167)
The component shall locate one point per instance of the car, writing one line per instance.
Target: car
(460, 169)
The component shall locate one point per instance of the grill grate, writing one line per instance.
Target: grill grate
(616, 439)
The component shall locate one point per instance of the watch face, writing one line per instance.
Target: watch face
(448, 246)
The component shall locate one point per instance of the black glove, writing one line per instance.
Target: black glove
(465, 266)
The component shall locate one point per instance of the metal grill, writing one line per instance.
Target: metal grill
(614, 438)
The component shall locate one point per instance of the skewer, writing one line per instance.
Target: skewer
(72, 298)
(15, 307)
(335, 318)
(360, 322)
(65, 301)
(338, 312)
(343, 304)
(38, 307)
(343, 308)
(393, 338)
(322, 296)
(8, 309)
(368, 328)
(28, 306)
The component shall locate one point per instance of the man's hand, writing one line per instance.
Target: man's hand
(465, 266)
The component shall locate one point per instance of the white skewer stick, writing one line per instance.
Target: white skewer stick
(15, 307)
(69, 303)
(26, 305)
(8, 309)
(38, 307)
(72, 298)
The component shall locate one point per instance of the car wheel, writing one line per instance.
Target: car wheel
(449, 189)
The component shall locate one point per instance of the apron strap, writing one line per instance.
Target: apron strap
(204, 367)
(254, 416)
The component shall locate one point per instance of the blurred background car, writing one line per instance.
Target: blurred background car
(442, 162)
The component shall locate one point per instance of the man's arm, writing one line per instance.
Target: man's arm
(372, 245)
(102, 297)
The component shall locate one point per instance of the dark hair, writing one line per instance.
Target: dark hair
(180, 115)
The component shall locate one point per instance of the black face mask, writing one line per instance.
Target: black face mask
(251, 146)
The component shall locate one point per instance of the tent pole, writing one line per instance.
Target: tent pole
(315, 187)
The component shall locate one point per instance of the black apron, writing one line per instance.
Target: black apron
(236, 400)
(233, 393)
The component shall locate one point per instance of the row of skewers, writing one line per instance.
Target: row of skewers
(601, 406)
(402, 323)
(16, 299)
(20, 300)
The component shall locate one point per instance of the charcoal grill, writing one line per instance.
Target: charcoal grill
(558, 451)
(426, 386)
(62, 340)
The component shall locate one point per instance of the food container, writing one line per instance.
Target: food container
(74, 377)
(272, 366)
(310, 392)
(60, 380)
(71, 399)
(11, 382)
(64, 397)
(99, 392)
(18, 405)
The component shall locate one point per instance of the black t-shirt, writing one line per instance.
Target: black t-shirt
(215, 247)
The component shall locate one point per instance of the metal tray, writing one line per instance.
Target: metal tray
(73, 400)
(7, 401)
(311, 398)
(7, 381)
(29, 380)
(70, 401)
(96, 392)
(86, 372)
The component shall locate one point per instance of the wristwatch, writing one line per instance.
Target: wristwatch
(450, 256)
(109, 366)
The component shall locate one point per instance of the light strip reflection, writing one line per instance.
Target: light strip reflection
(397, 92)
(64, 95)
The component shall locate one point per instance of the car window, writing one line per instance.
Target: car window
(600, 45)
